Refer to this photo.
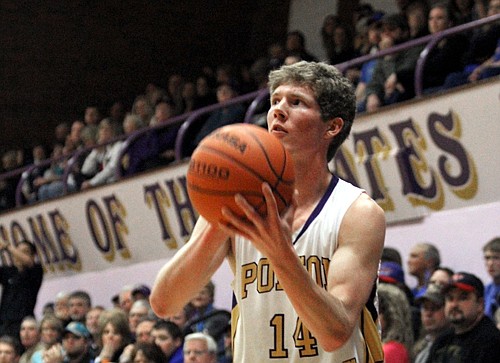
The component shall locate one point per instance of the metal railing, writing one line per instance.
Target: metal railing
(255, 98)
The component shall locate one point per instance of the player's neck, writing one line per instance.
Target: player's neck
(311, 184)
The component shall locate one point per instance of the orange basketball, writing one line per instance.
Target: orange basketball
(235, 159)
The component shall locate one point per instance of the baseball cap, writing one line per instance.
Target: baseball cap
(391, 272)
(434, 294)
(77, 329)
(466, 282)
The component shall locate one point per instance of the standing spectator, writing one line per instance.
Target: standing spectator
(92, 324)
(200, 348)
(424, 258)
(395, 321)
(491, 253)
(30, 338)
(20, 285)
(100, 164)
(447, 56)
(9, 350)
(474, 337)
(75, 347)
(79, 303)
(392, 79)
(434, 322)
(169, 338)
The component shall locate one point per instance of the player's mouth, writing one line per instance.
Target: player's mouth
(278, 129)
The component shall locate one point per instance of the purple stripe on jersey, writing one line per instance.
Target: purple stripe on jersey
(319, 207)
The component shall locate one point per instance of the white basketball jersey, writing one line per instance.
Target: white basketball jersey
(265, 325)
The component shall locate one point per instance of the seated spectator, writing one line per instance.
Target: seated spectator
(29, 190)
(222, 116)
(423, 259)
(465, 11)
(61, 132)
(142, 108)
(200, 347)
(8, 185)
(342, 48)
(51, 331)
(416, 13)
(141, 292)
(392, 273)
(296, 45)
(30, 338)
(169, 337)
(50, 184)
(99, 166)
(92, 324)
(491, 255)
(482, 53)
(148, 353)
(441, 277)
(114, 335)
(139, 310)
(395, 321)
(206, 318)
(144, 329)
(75, 347)
(447, 56)
(392, 79)
(79, 303)
(9, 347)
(433, 321)
(373, 38)
(474, 337)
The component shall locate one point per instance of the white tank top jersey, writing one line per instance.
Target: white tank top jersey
(266, 328)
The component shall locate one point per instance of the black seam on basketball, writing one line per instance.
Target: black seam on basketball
(228, 193)
(251, 171)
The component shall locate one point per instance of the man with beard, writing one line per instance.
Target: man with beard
(474, 337)
(75, 346)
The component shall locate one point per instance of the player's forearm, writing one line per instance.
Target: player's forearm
(188, 271)
(324, 315)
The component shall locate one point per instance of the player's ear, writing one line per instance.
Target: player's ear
(334, 127)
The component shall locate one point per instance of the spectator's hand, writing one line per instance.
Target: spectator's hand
(474, 76)
(372, 103)
(39, 181)
(390, 84)
(126, 355)
(107, 351)
(53, 355)
(86, 185)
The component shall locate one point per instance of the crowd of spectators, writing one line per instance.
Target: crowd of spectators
(447, 316)
(71, 329)
(466, 57)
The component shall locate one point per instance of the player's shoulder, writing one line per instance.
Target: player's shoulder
(365, 208)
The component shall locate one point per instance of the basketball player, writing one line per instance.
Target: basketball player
(303, 280)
